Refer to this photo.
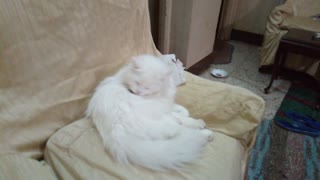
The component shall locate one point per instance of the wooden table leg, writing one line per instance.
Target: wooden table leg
(283, 58)
(274, 71)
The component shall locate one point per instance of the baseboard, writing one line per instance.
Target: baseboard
(248, 37)
(237, 35)
(202, 65)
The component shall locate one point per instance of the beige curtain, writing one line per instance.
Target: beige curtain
(227, 18)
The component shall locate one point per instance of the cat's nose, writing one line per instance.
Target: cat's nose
(141, 93)
(138, 92)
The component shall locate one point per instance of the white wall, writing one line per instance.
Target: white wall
(191, 28)
(252, 15)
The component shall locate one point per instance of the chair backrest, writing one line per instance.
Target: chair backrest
(53, 54)
(305, 8)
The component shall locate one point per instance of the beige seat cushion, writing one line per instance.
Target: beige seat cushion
(76, 152)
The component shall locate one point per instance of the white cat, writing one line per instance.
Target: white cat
(135, 114)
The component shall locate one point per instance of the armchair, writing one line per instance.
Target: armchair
(52, 56)
(292, 14)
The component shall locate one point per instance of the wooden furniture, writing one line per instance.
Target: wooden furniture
(297, 41)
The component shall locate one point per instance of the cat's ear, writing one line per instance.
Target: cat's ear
(169, 73)
(135, 64)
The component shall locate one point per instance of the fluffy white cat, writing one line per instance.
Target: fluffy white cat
(135, 114)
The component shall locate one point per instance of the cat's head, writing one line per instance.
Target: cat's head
(148, 75)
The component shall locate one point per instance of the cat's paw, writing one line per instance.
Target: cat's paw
(181, 110)
(199, 123)
(208, 134)
(193, 123)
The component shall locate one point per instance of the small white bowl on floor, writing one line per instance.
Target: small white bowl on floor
(219, 73)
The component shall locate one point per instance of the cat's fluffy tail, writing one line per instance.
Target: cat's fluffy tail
(158, 155)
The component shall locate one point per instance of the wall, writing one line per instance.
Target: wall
(188, 28)
(252, 15)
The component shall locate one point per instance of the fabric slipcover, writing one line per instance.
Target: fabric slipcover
(52, 56)
(19, 167)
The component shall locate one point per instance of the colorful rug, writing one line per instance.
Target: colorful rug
(280, 154)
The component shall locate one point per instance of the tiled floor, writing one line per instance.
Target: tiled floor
(243, 72)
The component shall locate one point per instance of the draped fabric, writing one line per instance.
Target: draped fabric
(227, 17)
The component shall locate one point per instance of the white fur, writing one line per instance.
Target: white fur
(145, 126)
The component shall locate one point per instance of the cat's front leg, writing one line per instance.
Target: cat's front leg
(163, 129)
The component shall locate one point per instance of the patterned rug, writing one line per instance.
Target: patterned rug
(280, 154)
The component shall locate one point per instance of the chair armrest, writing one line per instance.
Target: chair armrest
(299, 22)
(228, 109)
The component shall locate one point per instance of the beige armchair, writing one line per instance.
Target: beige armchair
(292, 14)
(52, 56)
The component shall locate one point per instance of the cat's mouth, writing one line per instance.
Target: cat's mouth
(131, 91)
(137, 94)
